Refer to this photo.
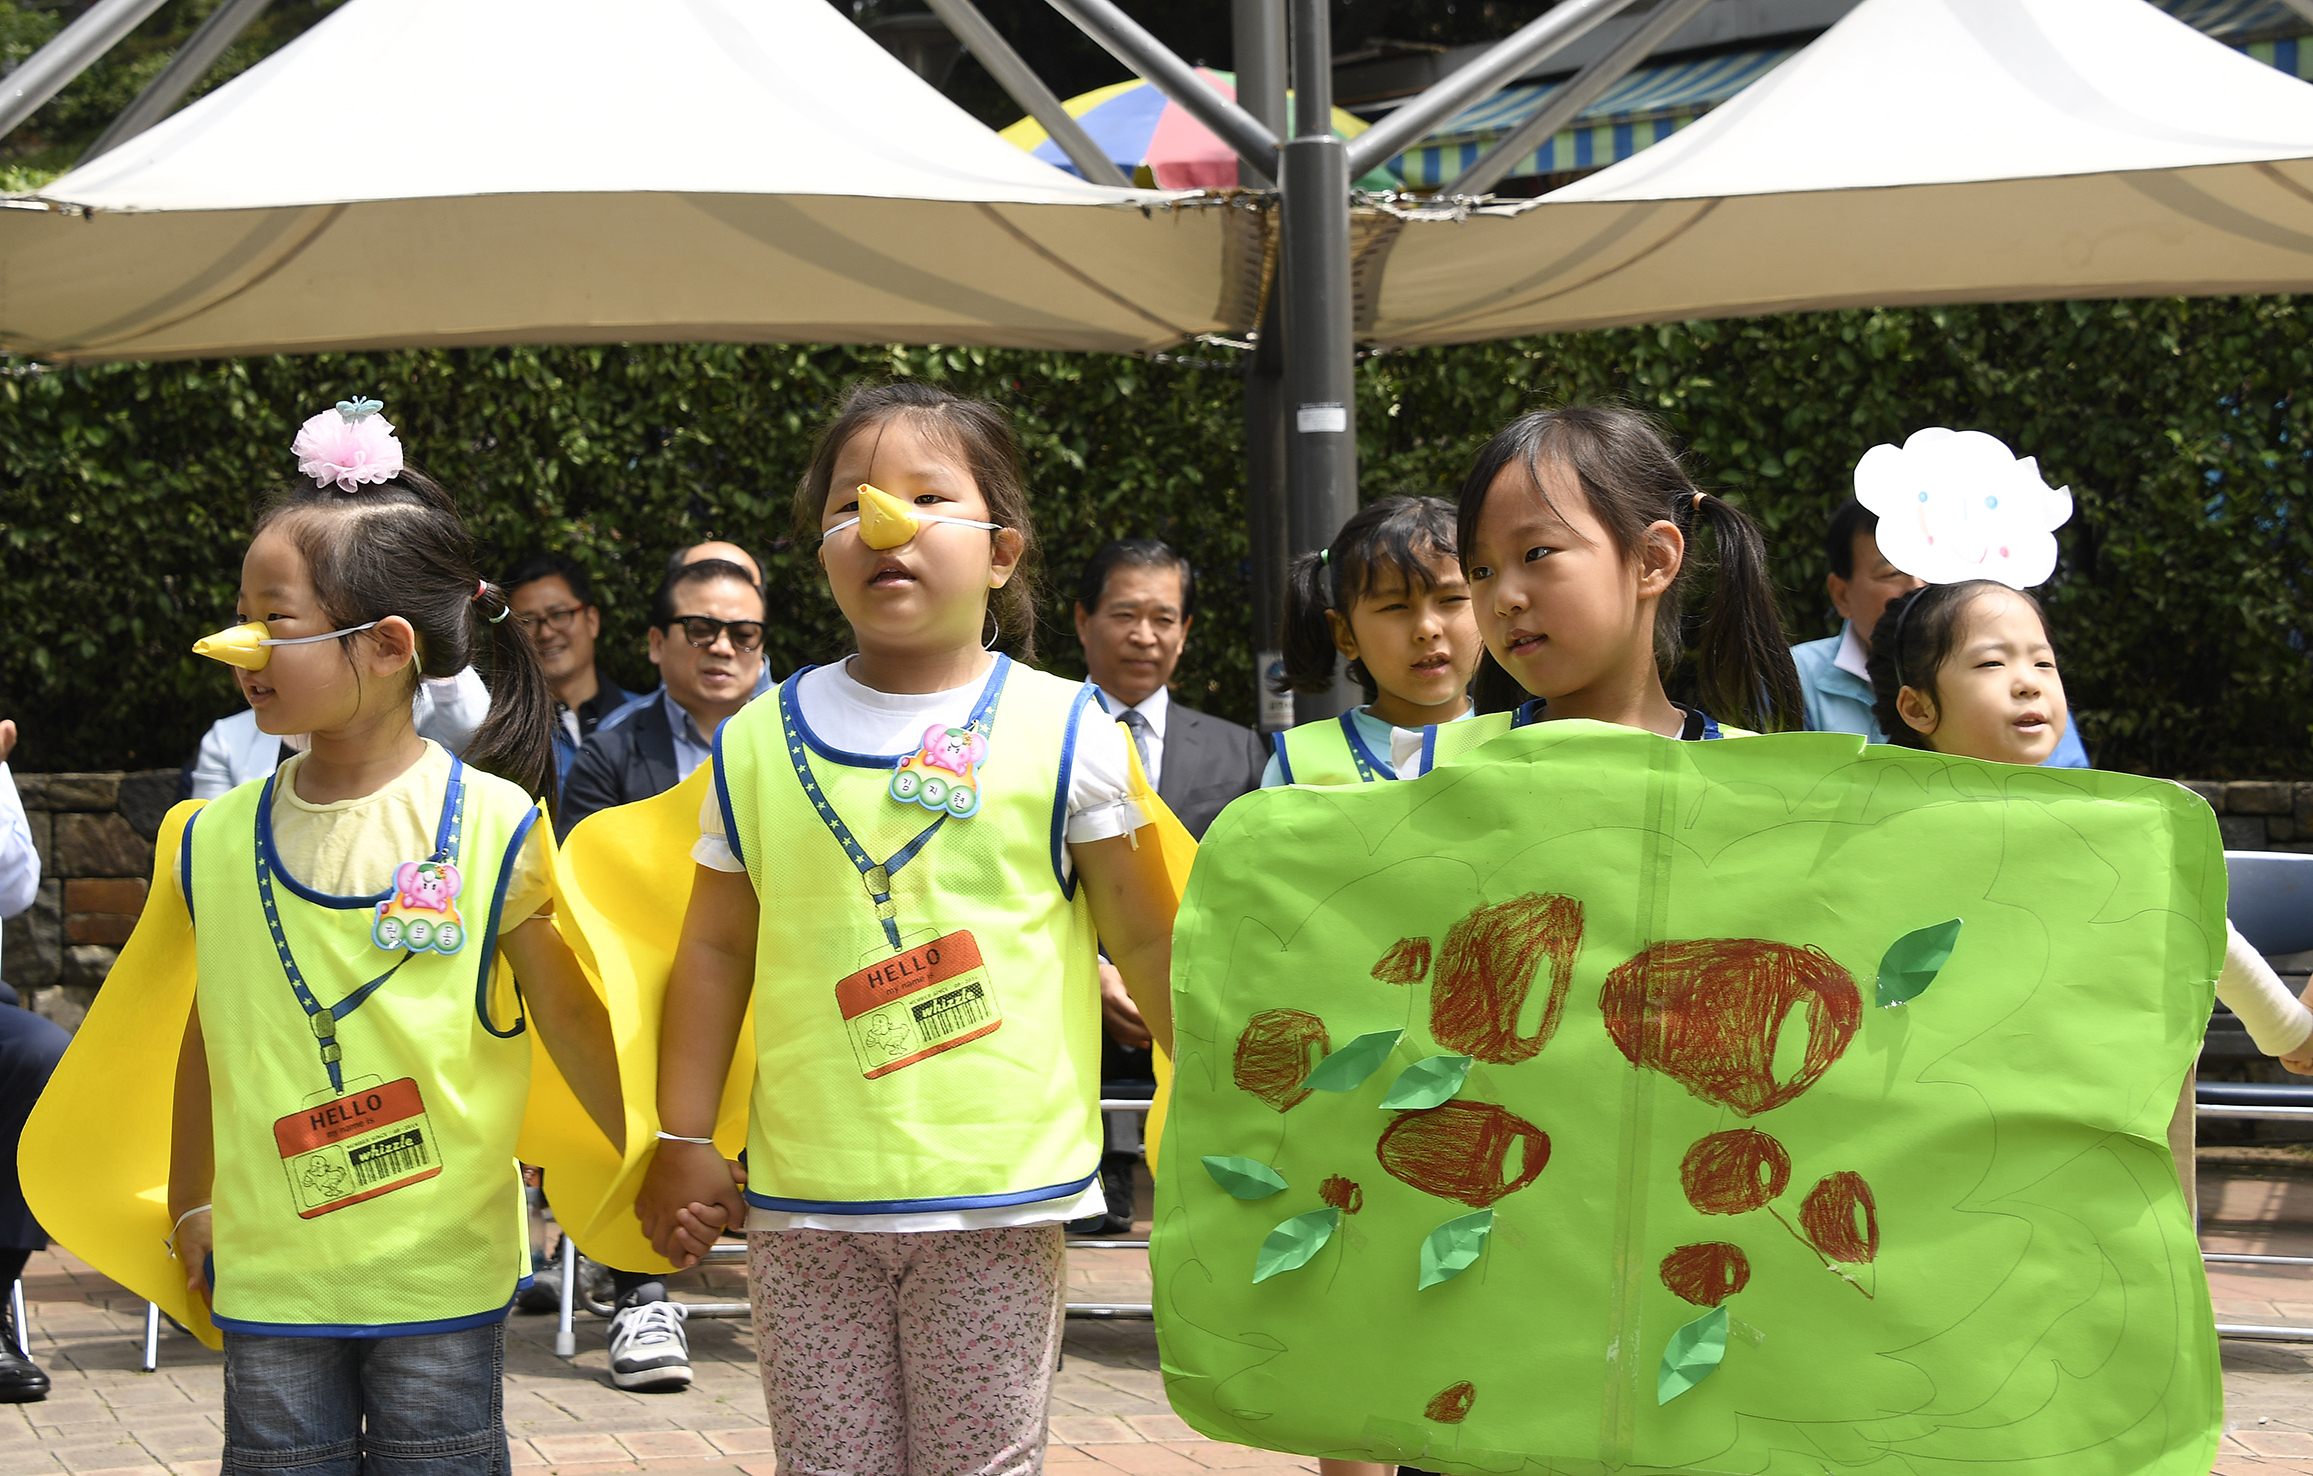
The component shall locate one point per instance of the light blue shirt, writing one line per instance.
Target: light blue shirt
(691, 750)
(1839, 701)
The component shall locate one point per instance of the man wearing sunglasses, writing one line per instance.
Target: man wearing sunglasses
(707, 642)
(554, 601)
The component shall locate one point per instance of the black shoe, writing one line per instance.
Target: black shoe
(21, 1381)
(1116, 1188)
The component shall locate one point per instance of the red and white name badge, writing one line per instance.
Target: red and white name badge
(916, 1004)
(356, 1147)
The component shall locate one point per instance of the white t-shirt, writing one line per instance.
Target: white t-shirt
(858, 719)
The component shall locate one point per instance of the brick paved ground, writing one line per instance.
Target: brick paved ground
(106, 1418)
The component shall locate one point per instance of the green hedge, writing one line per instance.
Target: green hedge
(2181, 605)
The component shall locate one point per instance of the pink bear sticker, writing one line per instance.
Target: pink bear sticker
(426, 885)
(954, 749)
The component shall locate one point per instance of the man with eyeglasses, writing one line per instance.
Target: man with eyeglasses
(707, 642)
(553, 599)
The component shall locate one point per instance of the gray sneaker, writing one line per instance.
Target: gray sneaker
(648, 1349)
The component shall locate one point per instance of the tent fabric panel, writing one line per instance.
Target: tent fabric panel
(2241, 228)
(574, 268)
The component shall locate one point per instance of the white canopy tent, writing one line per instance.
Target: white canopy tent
(1919, 151)
(438, 172)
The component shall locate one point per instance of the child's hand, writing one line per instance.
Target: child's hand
(1118, 1012)
(683, 1176)
(195, 1239)
(2302, 1062)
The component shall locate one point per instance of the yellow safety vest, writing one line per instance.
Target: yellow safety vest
(366, 1100)
(1332, 751)
(926, 1004)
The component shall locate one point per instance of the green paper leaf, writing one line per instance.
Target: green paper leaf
(1694, 1352)
(1291, 1244)
(1346, 1069)
(1913, 961)
(1247, 1178)
(1453, 1247)
(1427, 1082)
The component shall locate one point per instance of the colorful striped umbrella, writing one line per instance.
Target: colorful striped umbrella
(1157, 144)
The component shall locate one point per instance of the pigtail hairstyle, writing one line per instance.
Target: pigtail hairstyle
(1914, 638)
(398, 548)
(978, 431)
(1633, 479)
(1397, 535)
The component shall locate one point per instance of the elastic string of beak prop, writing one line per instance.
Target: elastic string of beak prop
(249, 647)
(886, 522)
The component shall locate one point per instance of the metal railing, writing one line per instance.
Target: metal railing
(2257, 1102)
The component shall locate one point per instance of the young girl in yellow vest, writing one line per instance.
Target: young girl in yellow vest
(1577, 530)
(905, 863)
(342, 1170)
(1969, 669)
(1389, 597)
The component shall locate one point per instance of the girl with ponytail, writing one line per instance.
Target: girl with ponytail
(1389, 597)
(1579, 529)
(371, 928)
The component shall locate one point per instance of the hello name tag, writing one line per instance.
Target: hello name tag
(916, 1004)
(356, 1147)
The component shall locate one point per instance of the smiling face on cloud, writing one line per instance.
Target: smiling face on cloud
(1957, 505)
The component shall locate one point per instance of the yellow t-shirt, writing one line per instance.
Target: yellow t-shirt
(349, 848)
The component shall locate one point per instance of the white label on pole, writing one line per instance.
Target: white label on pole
(1317, 419)
(1276, 706)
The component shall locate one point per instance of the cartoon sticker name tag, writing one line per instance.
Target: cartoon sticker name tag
(917, 1004)
(419, 916)
(945, 773)
(356, 1147)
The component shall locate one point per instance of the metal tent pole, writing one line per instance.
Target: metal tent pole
(1025, 88)
(1569, 102)
(1260, 58)
(68, 53)
(1320, 351)
(191, 63)
(1403, 128)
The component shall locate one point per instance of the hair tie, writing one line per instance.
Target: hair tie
(1699, 496)
(481, 589)
(350, 445)
(482, 592)
(1325, 556)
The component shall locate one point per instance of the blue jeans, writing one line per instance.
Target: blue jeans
(427, 1405)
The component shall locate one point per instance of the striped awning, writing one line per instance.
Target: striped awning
(1644, 108)
(2227, 19)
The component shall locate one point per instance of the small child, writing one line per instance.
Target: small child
(904, 866)
(1969, 669)
(1574, 528)
(1389, 596)
(342, 1170)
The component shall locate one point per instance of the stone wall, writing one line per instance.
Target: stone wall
(94, 833)
(2261, 814)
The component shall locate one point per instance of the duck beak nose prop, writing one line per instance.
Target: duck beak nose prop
(884, 520)
(243, 646)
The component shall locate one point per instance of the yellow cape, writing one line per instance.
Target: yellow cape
(628, 875)
(94, 1158)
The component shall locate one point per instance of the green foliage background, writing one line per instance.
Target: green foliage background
(2181, 604)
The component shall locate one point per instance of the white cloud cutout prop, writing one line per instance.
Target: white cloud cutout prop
(1959, 505)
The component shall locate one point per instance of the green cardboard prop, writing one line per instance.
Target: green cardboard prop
(1745, 1217)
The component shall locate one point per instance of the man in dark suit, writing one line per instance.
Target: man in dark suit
(707, 642)
(1134, 606)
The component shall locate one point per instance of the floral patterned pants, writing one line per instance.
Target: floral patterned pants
(908, 1355)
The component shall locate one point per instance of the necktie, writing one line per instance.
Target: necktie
(1137, 722)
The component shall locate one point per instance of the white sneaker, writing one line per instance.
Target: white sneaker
(647, 1347)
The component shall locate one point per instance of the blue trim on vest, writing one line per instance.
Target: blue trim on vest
(1067, 879)
(1284, 761)
(452, 797)
(918, 1206)
(489, 961)
(788, 688)
(359, 1330)
(1530, 712)
(1429, 748)
(723, 791)
(185, 866)
(1375, 766)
